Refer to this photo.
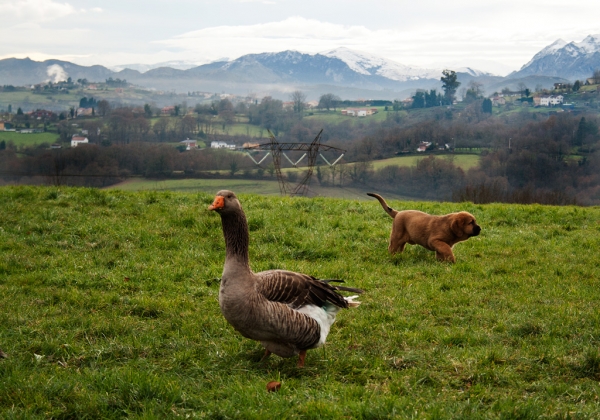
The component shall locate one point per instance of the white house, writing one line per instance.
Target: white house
(498, 100)
(85, 112)
(551, 100)
(77, 140)
(359, 112)
(189, 144)
(221, 145)
(423, 146)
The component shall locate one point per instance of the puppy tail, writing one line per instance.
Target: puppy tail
(385, 206)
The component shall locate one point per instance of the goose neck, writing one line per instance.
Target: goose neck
(235, 231)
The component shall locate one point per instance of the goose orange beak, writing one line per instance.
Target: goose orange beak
(219, 203)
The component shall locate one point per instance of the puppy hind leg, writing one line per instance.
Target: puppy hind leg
(396, 246)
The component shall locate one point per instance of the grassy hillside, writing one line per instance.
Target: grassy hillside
(59, 102)
(210, 186)
(110, 309)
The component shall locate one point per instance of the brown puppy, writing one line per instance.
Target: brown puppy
(436, 233)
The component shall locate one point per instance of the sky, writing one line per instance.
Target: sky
(489, 35)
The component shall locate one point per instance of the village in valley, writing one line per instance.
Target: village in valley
(218, 114)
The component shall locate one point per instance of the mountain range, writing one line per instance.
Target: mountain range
(573, 60)
(344, 72)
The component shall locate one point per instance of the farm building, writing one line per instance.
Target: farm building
(77, 140)
(359, 112)
(85, 112)
(551, 100)
(189, 144)
(221, 145)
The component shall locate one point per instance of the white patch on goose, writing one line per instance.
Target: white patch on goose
(324, 316)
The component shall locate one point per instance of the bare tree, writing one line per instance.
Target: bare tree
(103, 107)
(477, 87)
(328, 101)
(187, 126)
(299, 99)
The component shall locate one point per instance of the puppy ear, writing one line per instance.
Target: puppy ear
(457, 225)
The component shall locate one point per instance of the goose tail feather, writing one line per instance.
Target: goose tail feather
(351, 302)
(343, 288)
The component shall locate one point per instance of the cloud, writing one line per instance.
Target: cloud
(296, 33)
(417, 42)
(408, 45)
(258, 1)
(289, 29)
(35, 10)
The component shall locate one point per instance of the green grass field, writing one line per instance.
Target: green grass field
(463, 161)
(336, 117)
(244, 130)
(28, 139)
(110, 309)
(261, 187)
(28, 99)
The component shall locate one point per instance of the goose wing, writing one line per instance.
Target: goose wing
(297, 289)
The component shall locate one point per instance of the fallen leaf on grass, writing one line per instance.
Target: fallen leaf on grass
(273, 386)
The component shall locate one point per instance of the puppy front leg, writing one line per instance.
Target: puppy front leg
(443, 252)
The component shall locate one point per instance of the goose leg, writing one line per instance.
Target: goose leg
(301, 358)
(266, 355)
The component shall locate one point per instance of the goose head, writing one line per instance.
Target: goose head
(225, 202)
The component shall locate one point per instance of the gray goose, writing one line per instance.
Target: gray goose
(287, 312)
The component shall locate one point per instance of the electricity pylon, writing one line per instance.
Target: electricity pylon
(312, 150)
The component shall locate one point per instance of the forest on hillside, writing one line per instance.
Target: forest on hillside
(525, 156)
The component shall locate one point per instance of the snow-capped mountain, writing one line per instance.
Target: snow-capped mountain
(472, 72)
(142, 68)
(549, 50)
(573, 60)
(344, 72)
(369, 64)
(338, 68)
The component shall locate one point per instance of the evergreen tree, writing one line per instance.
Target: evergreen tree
(486, 106)
(431, 98)
(581, 131)
(450, 85)
(419, 100)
